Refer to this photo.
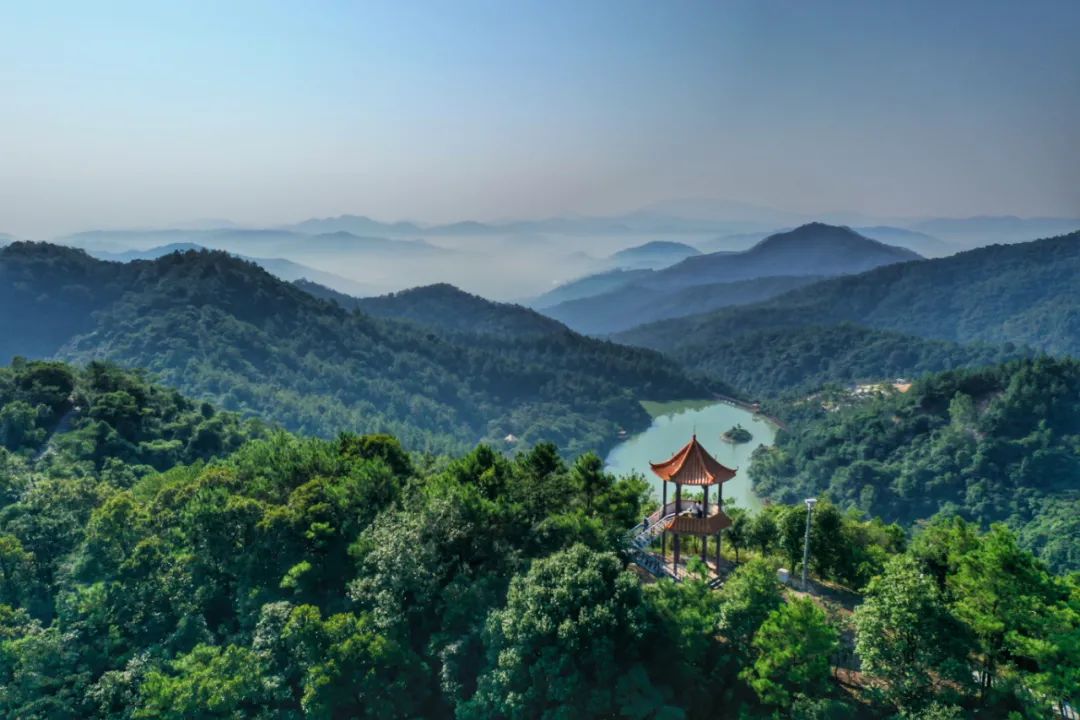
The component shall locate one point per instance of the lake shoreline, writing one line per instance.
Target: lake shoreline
(673, 425)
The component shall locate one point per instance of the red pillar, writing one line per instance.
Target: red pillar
(718, 554)
(678, 509)
(663, 535)
(705, 538)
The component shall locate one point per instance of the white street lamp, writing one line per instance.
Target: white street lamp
(810, 502)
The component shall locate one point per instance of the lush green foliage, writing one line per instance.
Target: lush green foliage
(447, 309)
(908, 636)
(793, 647)
(224, 330)
(306, 578)
(738, 434)
(787, 360)
(99, 418)
(996, 444)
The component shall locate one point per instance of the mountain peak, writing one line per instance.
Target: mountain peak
(819, 236)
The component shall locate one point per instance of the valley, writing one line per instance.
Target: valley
(388, 469)
(595, 360)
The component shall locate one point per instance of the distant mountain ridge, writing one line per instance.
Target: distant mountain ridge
(987, 230)
(925, 245)
(257, 241)
(280, 267)
(589, 286)
(813, 250)
(1015, 296)
(653, 255)
(634, 304)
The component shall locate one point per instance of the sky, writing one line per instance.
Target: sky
(152, 113)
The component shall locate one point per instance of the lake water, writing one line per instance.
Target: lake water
(672, 428)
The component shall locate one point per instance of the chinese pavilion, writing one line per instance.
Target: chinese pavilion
(693, 466)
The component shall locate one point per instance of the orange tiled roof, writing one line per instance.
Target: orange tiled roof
(692, 465)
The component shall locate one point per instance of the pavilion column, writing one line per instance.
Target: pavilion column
(705, 538)
(678, 509)
(663, 535)
(718, 554)
(720, 507)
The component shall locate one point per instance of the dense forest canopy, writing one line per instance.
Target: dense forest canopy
(785, 361)
(224, 330)
(265, 575)
(993, 444)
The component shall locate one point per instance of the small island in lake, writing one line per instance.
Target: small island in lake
(737, 434)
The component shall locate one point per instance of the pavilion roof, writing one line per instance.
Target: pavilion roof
(692, 465)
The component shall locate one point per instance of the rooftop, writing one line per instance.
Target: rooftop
(692, 465)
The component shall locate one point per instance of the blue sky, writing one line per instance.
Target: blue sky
(142, 113)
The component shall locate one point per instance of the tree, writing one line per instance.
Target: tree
(16, 572)
(793, 647)
(1002, 593)
(590, 479)
(906, 635)
(738, 534)
(829, 548)
(763, 530)
(211, 682)
(18, 425)
(746, 599)
(792, 527)
(352, 669)
(571, 628)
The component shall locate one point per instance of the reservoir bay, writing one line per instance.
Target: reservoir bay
(673, 425)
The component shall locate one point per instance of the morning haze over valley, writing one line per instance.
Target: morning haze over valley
(663, 361)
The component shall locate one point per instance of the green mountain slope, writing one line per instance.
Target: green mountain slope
(814, 250)
(634, 304)
(225, 330)
(445, 308)
(1012, 295)
(801, 359)
(55, 417)
(588, 286)
(279, 267)
(994, 444)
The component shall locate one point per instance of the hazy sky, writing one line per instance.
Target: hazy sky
(126, 114)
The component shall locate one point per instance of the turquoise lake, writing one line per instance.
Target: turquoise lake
(672, 429)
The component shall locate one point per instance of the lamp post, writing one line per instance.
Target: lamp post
(810, 502)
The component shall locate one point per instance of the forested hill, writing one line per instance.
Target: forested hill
(1025, 295)
(635, 304)
(225, 330)
(102, 419)
(778, 261)
(811, 249)
(993, 444)
(446, 308)
(783, 360)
